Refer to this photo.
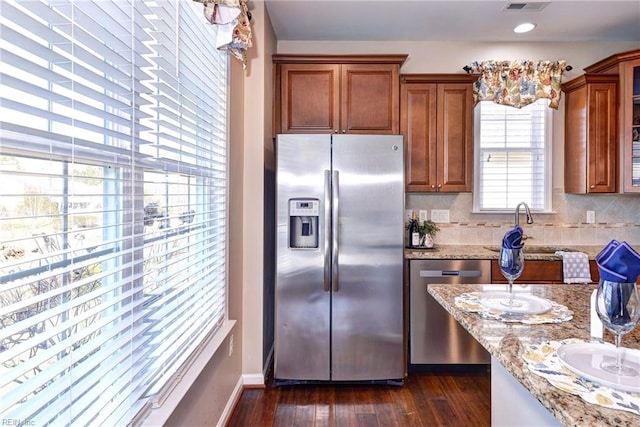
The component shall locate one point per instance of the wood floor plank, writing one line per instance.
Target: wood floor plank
(362, 398)
(444, 415)
(385, 408)
(405, 401)
(325, 406)
(367, 420)
(305, 415)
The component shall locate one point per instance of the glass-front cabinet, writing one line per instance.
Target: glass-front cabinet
(634, 180)
(627, 66)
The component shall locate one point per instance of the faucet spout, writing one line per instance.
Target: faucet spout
(527, 211)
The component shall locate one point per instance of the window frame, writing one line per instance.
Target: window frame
(547, 190)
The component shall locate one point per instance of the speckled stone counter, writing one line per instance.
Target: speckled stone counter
(506, 341)
(492, 252)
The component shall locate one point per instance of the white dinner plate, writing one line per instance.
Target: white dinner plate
(528, 304)
(584, 359)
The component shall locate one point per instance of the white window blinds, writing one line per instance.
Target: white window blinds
(113, 204)
(513, 157)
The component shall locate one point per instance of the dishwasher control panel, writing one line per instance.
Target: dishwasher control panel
(452, 270)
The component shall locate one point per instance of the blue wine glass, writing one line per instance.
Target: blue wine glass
(618, 307)
(511, 263)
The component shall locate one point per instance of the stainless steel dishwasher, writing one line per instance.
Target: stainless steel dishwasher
(435, 337)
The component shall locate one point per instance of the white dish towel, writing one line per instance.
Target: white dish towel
(575, 267)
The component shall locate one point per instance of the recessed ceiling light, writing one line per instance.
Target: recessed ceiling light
(524, 28)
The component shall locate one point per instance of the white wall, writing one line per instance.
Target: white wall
(257, 141)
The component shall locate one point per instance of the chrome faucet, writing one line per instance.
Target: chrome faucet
(527, 211)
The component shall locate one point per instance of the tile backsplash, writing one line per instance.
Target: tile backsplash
(617, 216)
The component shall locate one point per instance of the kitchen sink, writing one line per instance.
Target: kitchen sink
(535, 249)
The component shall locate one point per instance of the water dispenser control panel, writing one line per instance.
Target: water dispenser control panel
(303, 223)
(306, 207)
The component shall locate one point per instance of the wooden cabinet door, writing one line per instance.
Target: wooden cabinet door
(602, 146)
(455, 137)
(309, 98)
(418, 125)
(590, 134)
(436, 119)
(624, 67)
(370, 99)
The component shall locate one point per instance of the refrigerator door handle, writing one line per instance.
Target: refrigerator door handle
(335, 197)
(327, 235)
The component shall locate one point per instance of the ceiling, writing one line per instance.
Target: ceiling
(454, 20)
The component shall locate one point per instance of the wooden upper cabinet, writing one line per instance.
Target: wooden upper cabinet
(436, 119)
(625, 67)
(370, 99)
(590, 134)
(310, 98)
(337, 94)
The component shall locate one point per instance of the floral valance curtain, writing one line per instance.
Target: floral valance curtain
(518, 83)
(234, 32)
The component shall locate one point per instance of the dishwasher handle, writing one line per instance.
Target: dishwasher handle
(450, 273)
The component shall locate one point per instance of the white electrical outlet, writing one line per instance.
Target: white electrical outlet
(407, 214)
(422, 215)
(231, 345)
(440, 215)
(591, 217)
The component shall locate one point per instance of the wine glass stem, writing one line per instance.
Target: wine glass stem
(510, 292)
(618, 340)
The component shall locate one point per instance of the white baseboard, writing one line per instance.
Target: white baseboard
(244, 380)
(231, 403)
(253, 380)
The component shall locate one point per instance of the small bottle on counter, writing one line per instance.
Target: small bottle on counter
(414, 234)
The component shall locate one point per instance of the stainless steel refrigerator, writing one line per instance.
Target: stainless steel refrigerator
(339, 272)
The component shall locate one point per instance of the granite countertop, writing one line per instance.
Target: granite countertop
(506, 342)
(536, 252)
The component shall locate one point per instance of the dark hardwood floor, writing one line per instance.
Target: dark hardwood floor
(426, 399)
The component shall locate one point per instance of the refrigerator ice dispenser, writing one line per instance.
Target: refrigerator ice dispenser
(303, 223)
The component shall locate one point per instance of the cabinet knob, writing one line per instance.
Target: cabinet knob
(335, 131)
(592, 187)
(439, 185)
(344, 131)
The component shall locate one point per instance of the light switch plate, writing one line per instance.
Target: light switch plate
(440, 215)
(591, 217)
(422, 215)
